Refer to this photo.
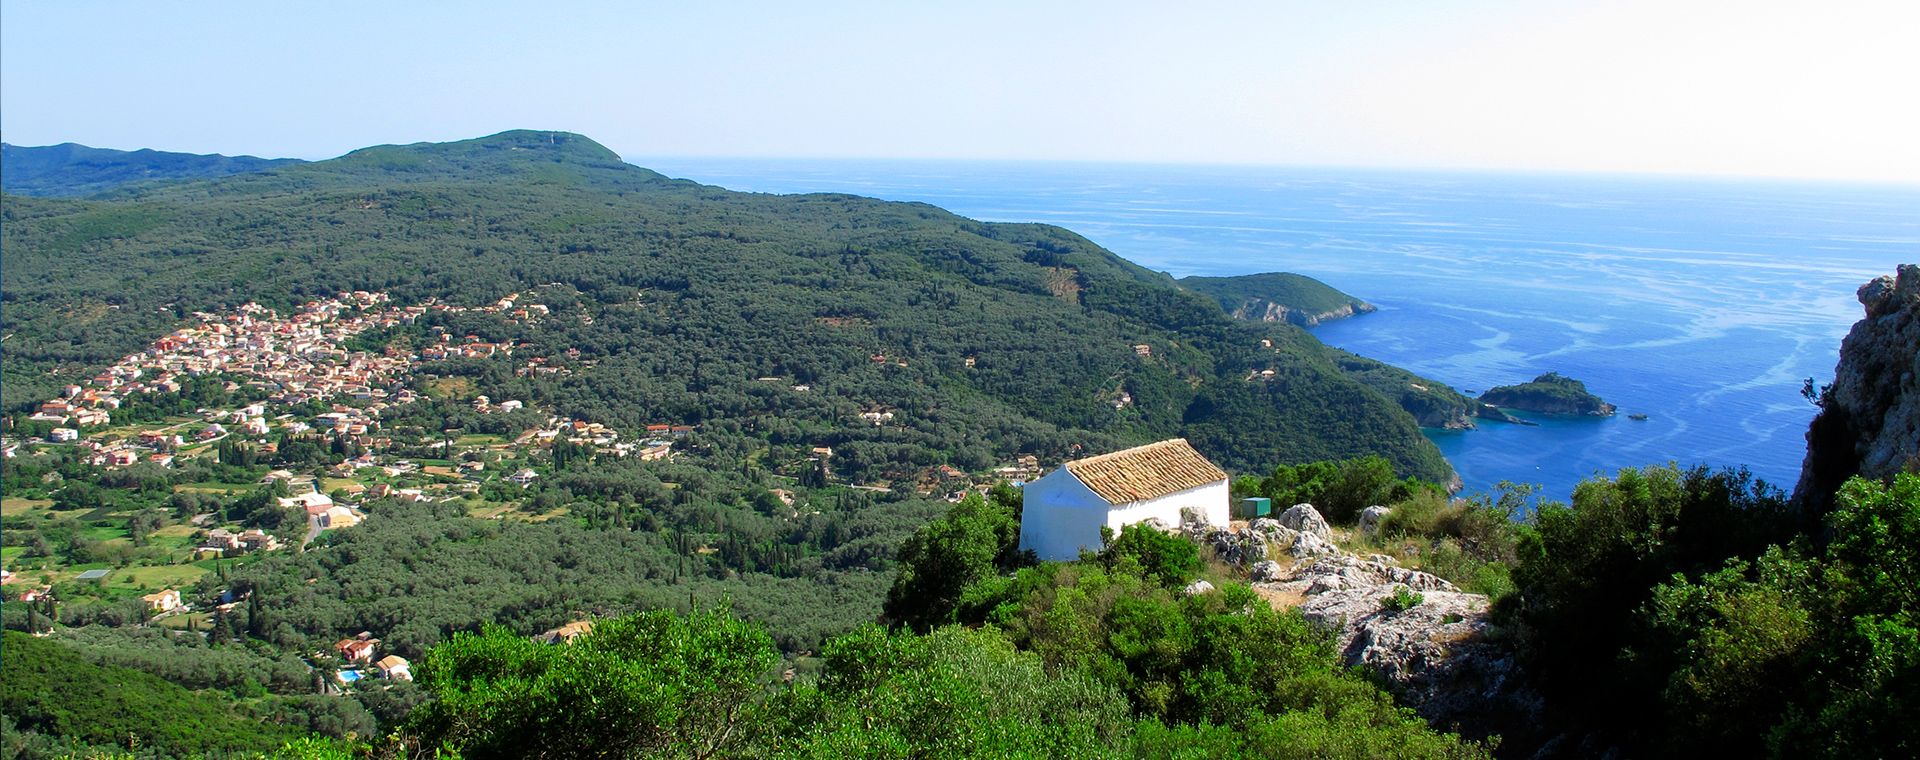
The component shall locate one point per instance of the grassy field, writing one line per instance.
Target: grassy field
(162, 577)
(450, 387)
(212, 565)
(489, 510)
(479, 439)
(14, 507)
(181, 530)
(197, 621)
(105, 533)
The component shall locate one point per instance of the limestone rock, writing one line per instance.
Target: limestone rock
(1307, 545)
(1342, 572)
(1869, 423)
(1268, 570)
(1306, 519)
(1370, 518)
(1251, 546)
(1197, 588)
(1435, 654)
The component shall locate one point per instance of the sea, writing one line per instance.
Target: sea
(1704, 305)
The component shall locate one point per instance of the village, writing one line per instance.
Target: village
(309, 379)
(300, 379)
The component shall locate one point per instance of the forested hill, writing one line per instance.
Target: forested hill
(1278, 297)
(72, 170)
(777, 318)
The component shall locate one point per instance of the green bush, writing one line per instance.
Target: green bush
(1401, 600)
(1168, 559)
(651, 684)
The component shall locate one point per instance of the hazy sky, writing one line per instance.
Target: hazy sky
(1818, 89)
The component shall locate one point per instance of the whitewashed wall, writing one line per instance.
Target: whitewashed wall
(1210, 500)
(1060, 515)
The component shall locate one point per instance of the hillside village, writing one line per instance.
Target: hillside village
(294, 378)
(292, 365)
(308, 378)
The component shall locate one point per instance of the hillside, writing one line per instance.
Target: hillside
(71, 170)
(697, 305)
(1278, 297)
(53, 691)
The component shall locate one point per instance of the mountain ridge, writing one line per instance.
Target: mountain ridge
(74, 170)
(1017, 321)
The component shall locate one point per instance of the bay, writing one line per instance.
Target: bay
(1703, 304)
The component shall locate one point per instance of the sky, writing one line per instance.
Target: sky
(1752, 88)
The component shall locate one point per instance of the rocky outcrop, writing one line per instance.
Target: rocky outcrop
(1263, 537)
(1306, 519)
(1277, 297)
(1434, 652)
(1869, 421)
(1371, 517)
(1263, 310)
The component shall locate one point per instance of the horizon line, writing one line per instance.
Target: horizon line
(1541, 172)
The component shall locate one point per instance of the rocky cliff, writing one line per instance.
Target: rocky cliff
(1262, 310)
(1429, 641)
(1278, 297)
(1869, 421)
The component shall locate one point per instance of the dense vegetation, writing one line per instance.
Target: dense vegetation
(56, 700)
(1551, 393)
(687, 295)
(1099, 658)
(1297, 299)
(1432, 404)
(1746, 628)
(70, 170)
(1663, 612)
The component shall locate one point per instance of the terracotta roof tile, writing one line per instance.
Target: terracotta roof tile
(1146, 472)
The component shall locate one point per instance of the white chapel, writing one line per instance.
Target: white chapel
(1064, 511)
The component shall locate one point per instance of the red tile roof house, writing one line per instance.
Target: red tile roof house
(357, 649)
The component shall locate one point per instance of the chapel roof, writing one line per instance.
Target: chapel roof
(1145, 472)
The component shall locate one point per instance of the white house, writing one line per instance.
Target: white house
(313, 502)
(1065, 510)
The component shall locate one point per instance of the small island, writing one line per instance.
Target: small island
(1551, 393)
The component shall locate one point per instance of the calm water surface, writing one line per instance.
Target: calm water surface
(1702, 304)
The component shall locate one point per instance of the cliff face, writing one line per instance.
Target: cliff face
(1277, 297)
(1262, 310)
(1869, 422)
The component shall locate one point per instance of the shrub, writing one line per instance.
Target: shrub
(1401, 600)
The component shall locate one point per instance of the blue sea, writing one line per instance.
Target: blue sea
(1703, 304)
